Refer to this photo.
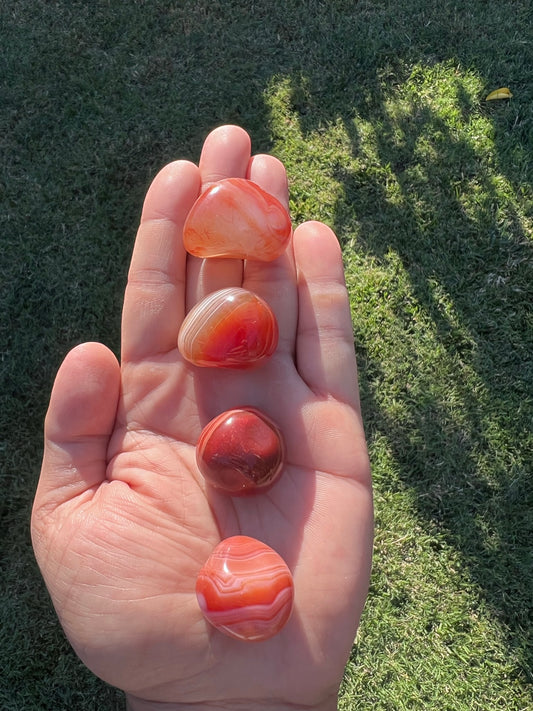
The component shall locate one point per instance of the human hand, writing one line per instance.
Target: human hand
(122, 520)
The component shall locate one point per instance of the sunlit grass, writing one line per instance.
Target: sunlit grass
(435, 243)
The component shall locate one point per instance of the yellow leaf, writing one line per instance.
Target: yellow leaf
(502, 93)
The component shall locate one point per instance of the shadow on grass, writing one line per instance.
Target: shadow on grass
(483, 268)
(100, 95)
(468, 264)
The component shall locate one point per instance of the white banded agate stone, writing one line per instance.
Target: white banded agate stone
(230, 328)
(245, 589)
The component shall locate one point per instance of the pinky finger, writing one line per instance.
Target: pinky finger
(325, 353)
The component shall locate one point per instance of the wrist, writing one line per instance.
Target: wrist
(135, 704)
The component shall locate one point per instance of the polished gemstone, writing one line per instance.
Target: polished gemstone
(245, 589)
(236, 218)
(240, 451)
(230, 328)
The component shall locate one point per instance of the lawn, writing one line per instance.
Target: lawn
(378, 110)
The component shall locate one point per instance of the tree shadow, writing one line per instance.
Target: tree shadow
(472, 281)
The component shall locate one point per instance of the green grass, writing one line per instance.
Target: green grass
(378, 110)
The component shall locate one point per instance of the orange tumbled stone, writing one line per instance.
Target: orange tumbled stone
(230, 328)
(240, 452)
(245, 589)
(235, 218)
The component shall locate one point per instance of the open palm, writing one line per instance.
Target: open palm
(123, 521)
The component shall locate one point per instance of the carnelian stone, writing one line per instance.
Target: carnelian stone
(240, 451)
(236, 218)
(230, 328)
(245, 589)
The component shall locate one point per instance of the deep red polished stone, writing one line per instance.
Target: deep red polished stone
(237, 218)
(245, 589)
(230, 328)
(240, 451)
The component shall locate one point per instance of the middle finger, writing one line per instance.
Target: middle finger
(225, 154)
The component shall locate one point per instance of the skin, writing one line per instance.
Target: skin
(122, 520)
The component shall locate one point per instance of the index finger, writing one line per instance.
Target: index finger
(154, 301)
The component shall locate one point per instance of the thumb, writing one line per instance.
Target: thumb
(78, 425)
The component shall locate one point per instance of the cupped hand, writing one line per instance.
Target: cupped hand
(122, 520)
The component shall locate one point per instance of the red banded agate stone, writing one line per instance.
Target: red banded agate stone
(240, 451)
(230, 328)
(245, 589)
(236, 218)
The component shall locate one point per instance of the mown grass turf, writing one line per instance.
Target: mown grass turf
(377, 109)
